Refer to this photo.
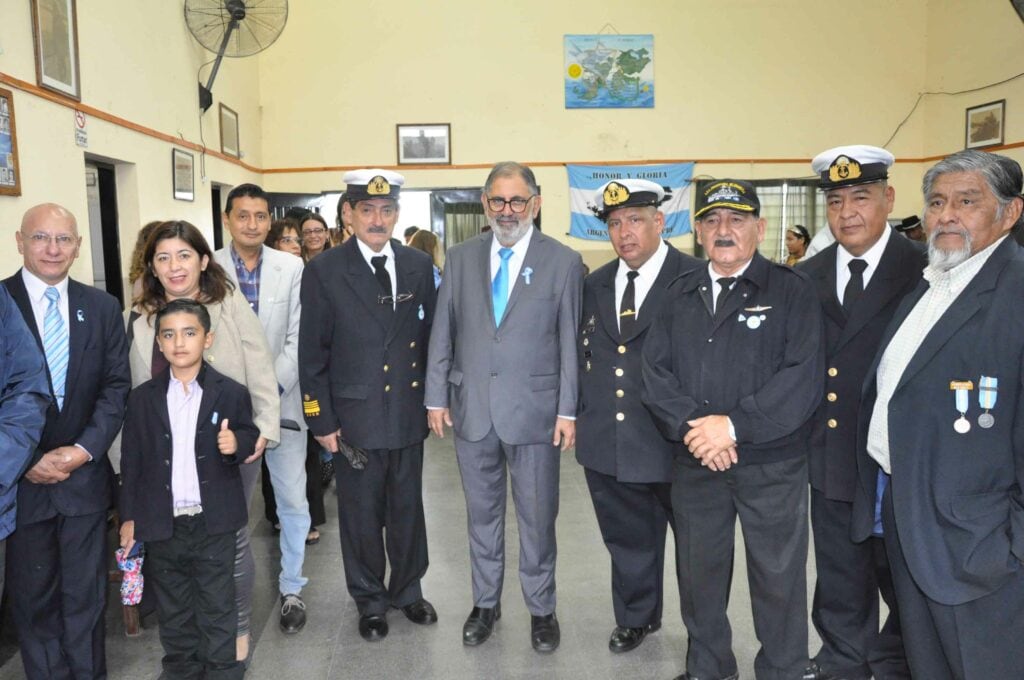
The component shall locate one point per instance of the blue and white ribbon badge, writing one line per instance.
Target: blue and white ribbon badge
(213, 419)
(420, 313)
(961, 388)
(988, 391)
(527, 273)
(80, 315)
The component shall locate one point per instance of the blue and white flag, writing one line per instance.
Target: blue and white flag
(584, 180)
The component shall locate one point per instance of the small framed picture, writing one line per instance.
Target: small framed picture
(229, 145)
(10, 171)
(429, 144)
(55, 36)
(984, 125)
(183, 172)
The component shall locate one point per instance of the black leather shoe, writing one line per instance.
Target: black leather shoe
(627, 639)
(373, 627)
(687, 676)
(293, 614)
(544, 633)
(816, 672)
(479, 625)
(420, 612)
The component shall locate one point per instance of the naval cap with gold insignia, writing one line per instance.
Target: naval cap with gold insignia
(846, 166)
(363, 185)
(733, 194)
(627, 193)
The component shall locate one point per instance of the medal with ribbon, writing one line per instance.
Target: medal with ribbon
(988, 390)
(961, 388)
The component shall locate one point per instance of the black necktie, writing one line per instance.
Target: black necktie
(726, 283)
(384, 280)
(856, 285)
(627, 310)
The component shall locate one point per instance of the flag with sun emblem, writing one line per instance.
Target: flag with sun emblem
(584, 180)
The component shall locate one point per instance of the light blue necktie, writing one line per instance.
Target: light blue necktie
(499, 287)
(55, 345)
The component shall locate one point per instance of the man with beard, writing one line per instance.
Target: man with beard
(947, 424)
(503, 375)
(366, 312)
(860, 281)
(733, 367)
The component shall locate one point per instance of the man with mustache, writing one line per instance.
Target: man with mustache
(943, 416)
(503, 375)
(367, 306)
(732, 367)
(860, 281)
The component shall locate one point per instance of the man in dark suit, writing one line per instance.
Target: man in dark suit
(366, 313)
(943, 414)
(732, 367)
(627, 463)
(860, 281)
(56, 556)
(503, 374)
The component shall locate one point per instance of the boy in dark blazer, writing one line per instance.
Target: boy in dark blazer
(185, 433)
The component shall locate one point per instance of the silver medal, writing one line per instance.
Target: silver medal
(753, 322)
(986, 420)
(962, 425)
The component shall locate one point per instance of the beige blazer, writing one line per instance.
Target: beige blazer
(239, 351)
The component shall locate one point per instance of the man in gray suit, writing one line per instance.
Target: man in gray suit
(270, 280)
(502, 373)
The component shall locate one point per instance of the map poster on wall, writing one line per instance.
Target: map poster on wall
(609, 71)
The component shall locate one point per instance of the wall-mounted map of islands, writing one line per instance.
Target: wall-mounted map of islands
(609, 71)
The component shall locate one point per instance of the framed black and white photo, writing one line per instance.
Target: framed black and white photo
(55, 35)
(10, 173)
(427, 144)
(183, 172)
(984, 125)
(229, 144)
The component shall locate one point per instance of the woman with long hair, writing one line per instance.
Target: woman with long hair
(180, 264)
(315, 238)
(428, 242)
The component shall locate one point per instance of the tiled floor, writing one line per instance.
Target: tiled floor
(330, 646)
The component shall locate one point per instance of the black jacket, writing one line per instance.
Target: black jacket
(146, 456)
(631, 449)
(759, 361)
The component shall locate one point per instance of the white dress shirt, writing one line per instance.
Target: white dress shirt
(872, 257)
(716, 287)
(943, 290)
(389, 264)
(646, 275)
(36, 288)
(515, 262)
(183, 412)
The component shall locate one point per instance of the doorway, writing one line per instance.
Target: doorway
(105, 242)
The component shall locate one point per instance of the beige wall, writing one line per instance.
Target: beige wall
(735, 79)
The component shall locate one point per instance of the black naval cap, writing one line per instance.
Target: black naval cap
(627, 193)
(733, 194)
(846, 166)
(363, 185)
(908, 223)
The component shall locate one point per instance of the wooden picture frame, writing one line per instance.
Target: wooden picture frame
(10, 171)
(985, 125)
(55, 37)
(183, 175)
(229, 143)
(424, 143)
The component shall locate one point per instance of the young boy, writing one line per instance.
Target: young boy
(185, 432)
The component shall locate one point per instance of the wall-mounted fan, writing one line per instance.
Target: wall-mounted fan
(233, 28)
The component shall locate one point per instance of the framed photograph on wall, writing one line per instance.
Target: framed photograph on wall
(55, 35)
(10, 172)
(229, 144)
(427, 144)
(183, 172)
(984, 126)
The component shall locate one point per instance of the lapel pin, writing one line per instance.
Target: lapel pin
(80, 315)
(421, 313)
(527, 273)
(213, 420)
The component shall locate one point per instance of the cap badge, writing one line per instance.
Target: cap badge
(843, 168)
(725, 192)
(615, 194)
(378, 186)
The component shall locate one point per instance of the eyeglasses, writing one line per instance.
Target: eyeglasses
(291, 239)
(41, 240)
(518, 205)
(392, 299)
(319, 231)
